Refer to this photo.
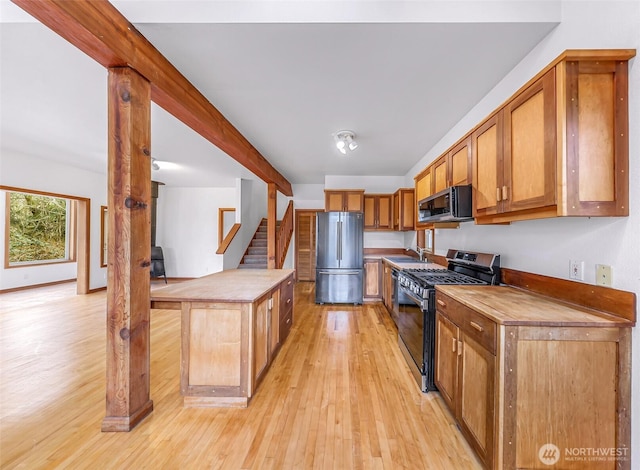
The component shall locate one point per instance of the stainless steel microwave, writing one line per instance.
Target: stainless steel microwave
(450, 205)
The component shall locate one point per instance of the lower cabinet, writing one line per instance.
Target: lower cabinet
(372, 279)
(465, 376)
(387, 287)
(530, 392)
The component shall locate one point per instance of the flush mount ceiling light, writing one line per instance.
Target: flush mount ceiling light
(345, 140)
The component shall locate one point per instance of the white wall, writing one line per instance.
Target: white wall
(29, 172)
(253, 208)
(546, 246)
(187, 229)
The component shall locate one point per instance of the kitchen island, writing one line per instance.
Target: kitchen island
(233, 324)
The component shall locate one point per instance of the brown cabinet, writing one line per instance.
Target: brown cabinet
(424, 188)
(372, 279)
(465, 374)
(424, 184)
(515, 154)
(518, 371)
(286, 309)
(378, 212)
(404, 210)
(460, 163)
(559, 147)
(346, 200)
(387, 288)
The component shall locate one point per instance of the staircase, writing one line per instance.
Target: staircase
(256, 255)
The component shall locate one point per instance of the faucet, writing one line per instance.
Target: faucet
(419, 251)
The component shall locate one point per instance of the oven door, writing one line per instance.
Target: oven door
(416, 329)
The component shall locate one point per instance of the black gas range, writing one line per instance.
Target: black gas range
(415, 304)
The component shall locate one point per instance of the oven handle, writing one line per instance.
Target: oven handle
(421, 303)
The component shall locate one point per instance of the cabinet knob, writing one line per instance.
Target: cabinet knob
(476, 326)
(498, 199)
(288, 301)
(441, 303)
(288, 320)
(505, 194)
(454, 343)
(459, 348)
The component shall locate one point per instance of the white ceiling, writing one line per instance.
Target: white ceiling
(286, 74)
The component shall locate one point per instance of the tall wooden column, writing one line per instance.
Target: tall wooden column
(272, 216)
(129, 250)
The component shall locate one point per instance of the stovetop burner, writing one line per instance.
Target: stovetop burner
(432, 277)
(464, 268)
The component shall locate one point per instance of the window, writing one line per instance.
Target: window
(41, 229)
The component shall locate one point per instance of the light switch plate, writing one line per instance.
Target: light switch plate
(576, 270)
(603, 275)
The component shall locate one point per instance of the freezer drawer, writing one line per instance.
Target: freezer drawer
(339, 286)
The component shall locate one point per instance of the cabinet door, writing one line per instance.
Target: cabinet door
(530, 147)
(441, 174)
(476, 411)
(387, 287)
(373, 278)
(487, 149)
(354, 201)
(260, 338)
(406, 210)
(384, 212)
(424, 185)
(446, 358)
(460, 163)
(334, 201)
(370, 212)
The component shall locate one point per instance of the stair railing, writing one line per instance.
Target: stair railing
(283, 236)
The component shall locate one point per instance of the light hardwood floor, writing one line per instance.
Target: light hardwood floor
(338, 396)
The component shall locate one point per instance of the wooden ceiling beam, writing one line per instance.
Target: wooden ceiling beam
(99, 30)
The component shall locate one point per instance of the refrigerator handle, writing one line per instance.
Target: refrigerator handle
(339, 240)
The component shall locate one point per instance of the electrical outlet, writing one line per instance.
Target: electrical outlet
(576, 270)
(603, 275)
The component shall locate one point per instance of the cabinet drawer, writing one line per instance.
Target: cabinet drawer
(286, 321)
(478, 327)
(286, 293)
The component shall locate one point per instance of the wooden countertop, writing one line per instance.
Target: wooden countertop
(233, 285)
(511, 306)
(412, 263)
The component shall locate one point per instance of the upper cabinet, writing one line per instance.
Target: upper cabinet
(559, 147)
(424, 184)
(346, 200)
(378, 212)
(454, 167)
(404, 209)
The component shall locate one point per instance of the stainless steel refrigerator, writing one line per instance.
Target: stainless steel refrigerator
(339, 257)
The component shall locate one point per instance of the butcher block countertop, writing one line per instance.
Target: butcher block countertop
(233, 285)
(511, 306)
(407, 262)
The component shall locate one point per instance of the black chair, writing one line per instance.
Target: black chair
(157, 263)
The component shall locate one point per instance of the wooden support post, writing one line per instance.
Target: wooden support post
(272, 211)
(129, 250)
